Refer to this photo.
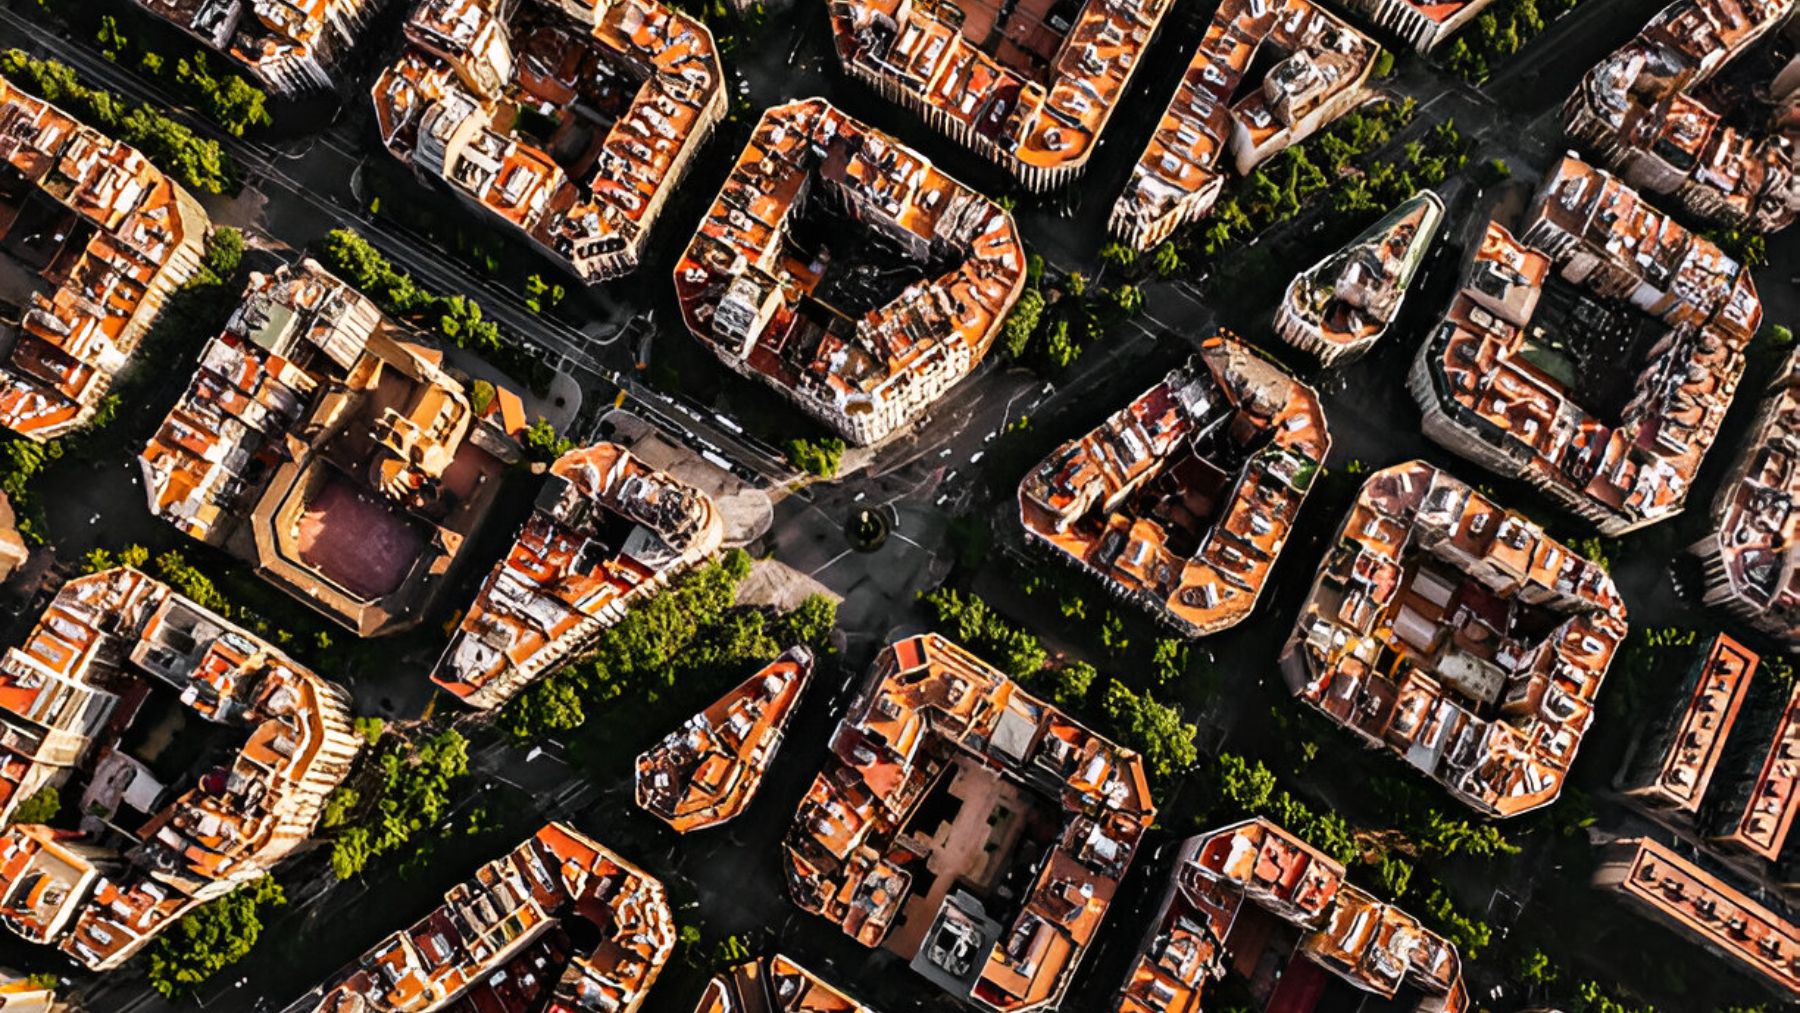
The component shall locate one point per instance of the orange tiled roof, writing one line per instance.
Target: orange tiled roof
(1481, 388)
(1119, 501)
(465, 948)
(928, 701)
(1751, 555)
(450, 107)
(706, 772)
(607, 530)
(1637, 107)
(1700, 906)
(102, 634)
(999, 88)
(775, 985)
(1323, 65)
(1693, 740)
(748, 297)
(139, 236)
(1458, 636)
(1371, 944)
(1340, 307)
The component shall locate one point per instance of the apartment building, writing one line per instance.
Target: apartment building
(1750, 555)
(757, 286)
(1181, 502)
(775, 985)
(1667, 888)
(1028, 86)
(1214, 918)
(934, 725)
(1522, 376)
(1642, 109)
(1457, 636)
(565, 124)
(1422, 24)
(1338, 309)
(1314, 68)
(560, 922)
(111, 648)
(96, 238)
(707, 772)
(606, 531)
(289, 46)
(333, 449)
(1678, 752)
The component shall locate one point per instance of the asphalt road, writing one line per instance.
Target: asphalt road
(960, 461)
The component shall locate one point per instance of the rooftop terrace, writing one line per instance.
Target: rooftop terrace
(1029, 85)
(931, 712)
(65, 696)
(93, 238)
(507, 939)
(753, 287)
(568, 124)
(707, 772)
(1208, 923)
(328, 445)
(1183, 501)
(1457, 636)
(606, 530)
(1507, 379)
(1641, 109)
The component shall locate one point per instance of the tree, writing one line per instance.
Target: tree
(1384, 63)
(481, 396)
(811, 622)
(542, 444)
(1022, 323)
(1169, 659)
(1536, 969)
(211, 938)
(338, 806)
(1152, 728)
(1128, 298)
(41, 807)
(821, 457)
(1166, 259)
(1118, 254)
(1073, 680)
(112, 41)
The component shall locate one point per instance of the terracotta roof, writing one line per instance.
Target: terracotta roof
(490, 942)
(1373, 945)
(1323, 63)
(451, 107)
(1701, 907)
(1486, 395)
(1692, 740)
(1638, 108)
(753, 297)
(1017, 83)
(774, 985)
(707, 771)
(102, 636)
(1122, 502)
(139, 236)
(606, 531)
(1458, 636)
(927, 705)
